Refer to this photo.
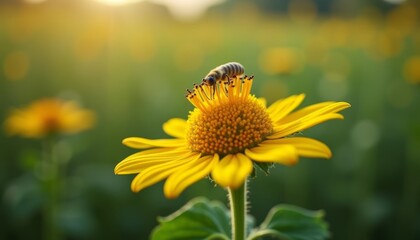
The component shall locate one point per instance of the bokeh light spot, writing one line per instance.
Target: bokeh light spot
(333, 86)
(387, 44)
(336, 63)
(403, 19)
(365, 134)
(279, 60)
(411, 69)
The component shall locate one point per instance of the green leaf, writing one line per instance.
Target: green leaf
(198, 219)
(289, 222)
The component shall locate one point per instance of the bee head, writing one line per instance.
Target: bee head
(209, 80)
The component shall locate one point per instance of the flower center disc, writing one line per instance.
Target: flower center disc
(229, 127)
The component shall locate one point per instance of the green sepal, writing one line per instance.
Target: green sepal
(198, 219)
(289, 222)
(264, 166)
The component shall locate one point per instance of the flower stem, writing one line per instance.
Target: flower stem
(51, 184)
(237, 198)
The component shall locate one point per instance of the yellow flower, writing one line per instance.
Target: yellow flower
(411, 69)
(228, 131)
(48, 116)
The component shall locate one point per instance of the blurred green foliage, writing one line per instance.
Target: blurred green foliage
(131, 65)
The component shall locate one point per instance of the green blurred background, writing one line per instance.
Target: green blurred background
(132, 63)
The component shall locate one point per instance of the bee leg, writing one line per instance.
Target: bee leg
(225, 78)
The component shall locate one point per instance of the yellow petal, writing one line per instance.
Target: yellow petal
(137, 162)
(263, 101)
(189, 174)
(156, 173)
(314, 111)
(74, 120)
(155, 151)
(297, 126)
(175, 127)
(142, 143)
(232, 170)
(283, 107)
(307, 110)
(305, 147)
(283, 154)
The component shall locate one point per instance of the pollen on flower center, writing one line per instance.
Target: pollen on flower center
(226, 125)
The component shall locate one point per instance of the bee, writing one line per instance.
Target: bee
(223, 72)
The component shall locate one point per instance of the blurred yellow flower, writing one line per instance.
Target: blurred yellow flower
(48, 116)
(387, 44)
(336, 32)
(411, 69)
(279, 60)
(403, 19)
(228, 131)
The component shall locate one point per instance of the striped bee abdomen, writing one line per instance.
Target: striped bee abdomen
(223, 72)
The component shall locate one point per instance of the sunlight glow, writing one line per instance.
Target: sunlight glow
(187, 9)
(34, 1)
(117, 2)
(181, 9)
